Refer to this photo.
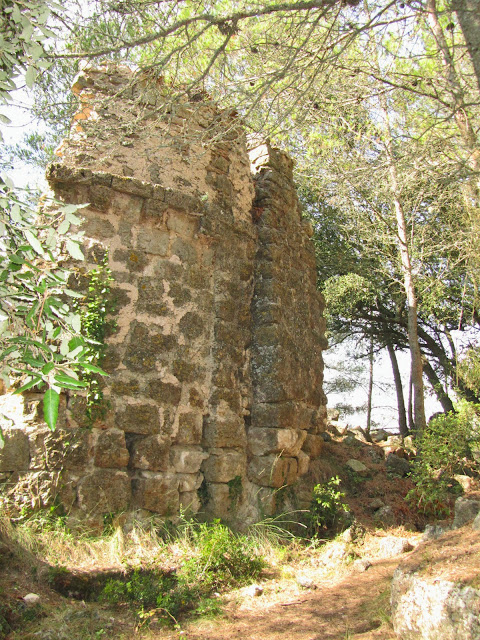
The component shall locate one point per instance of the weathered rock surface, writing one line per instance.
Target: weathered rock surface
(466, 510)
(392, 546)
(358, 467)
(385, 516)
(429, 608)
(397, 466)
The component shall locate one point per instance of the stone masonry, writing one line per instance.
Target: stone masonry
(215, 367)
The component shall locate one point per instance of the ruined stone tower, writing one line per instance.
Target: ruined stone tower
(215, 388)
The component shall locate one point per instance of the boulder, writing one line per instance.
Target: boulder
(379, 435)
(476, 523)
(433, 531)
(428, 608)
(392, 546)
(333, 414)
(376, 503)
(466, 509)
(362, 564)
(358, 467)
(397, 466)
(15, 455)
(385, 516)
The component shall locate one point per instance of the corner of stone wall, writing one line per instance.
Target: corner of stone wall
(215, 368)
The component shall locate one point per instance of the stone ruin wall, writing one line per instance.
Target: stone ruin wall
(215, 388)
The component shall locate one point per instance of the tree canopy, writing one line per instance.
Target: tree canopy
(379, 104)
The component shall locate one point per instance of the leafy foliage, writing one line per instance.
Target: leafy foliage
(326, 507)
(223, 557)
(449, 445)
(94, 310)
(40, 332)
(24, 32)
(469, 370)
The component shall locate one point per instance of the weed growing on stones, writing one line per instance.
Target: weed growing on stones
(95, 311)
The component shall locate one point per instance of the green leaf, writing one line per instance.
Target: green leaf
(27, 32)
(73, 219)
(34, 242)
(35, 380)
(63, 227)
(51, 400)
(2, 439)
(73, 294)
(74, 250)
(93, 369)
(64, 380)
(15, 214)
(36, 51)
(75, 322)
(75, 342)
(30, 76)
(47, 368)
(69, 208)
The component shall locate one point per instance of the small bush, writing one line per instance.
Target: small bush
(149, 589)
(448, 446)
(222, 559)
(327, 506)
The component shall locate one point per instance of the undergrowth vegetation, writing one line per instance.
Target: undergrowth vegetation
(449, 445)
(162, 571)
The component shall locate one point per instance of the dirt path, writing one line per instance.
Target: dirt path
(352, 607)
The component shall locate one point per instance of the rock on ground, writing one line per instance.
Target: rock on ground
(465, 510)
(427, 608)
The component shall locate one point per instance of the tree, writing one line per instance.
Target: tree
(41, 339)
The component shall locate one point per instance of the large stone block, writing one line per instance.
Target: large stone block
(153, 241)
(158, 493)
(110, 449)
(188, 482)
(15, 455)
(60, 449)
(190, 426)
(430, 608)
(313, 445)
(218, 501)
(223, 466)
(151, 453)
(273, 471)
(224, 432)
(164, 392)
(186, 225)
(187, 459)
(139, 418)
(104, 491)
(262, 442)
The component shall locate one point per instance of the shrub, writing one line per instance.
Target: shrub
(222, 559)
(327, 506)
(448, 445)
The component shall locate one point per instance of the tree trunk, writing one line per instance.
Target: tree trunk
(457, 96)
(411, 424)
(468, 14)
(437, 386)
(402, 414)
(370, 386)
(407, 272)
